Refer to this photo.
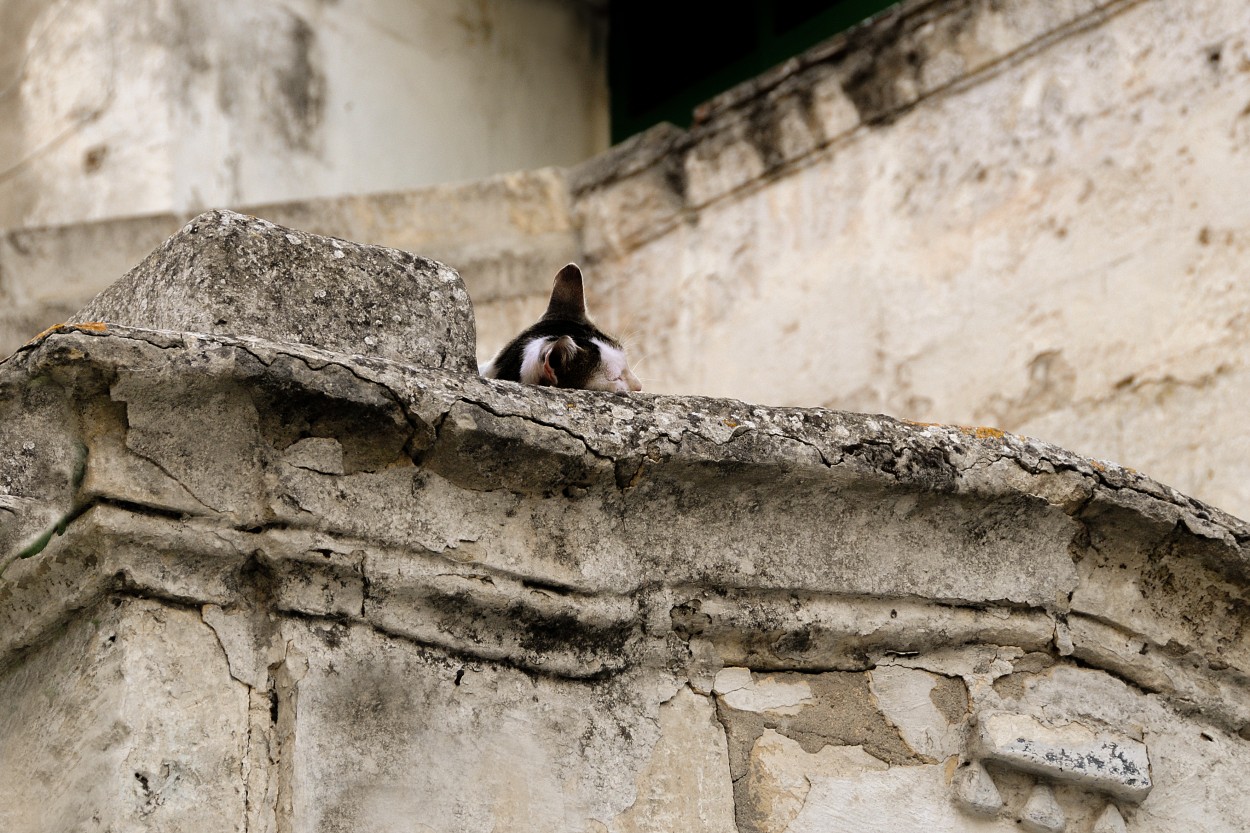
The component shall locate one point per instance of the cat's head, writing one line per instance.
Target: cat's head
(570, 351)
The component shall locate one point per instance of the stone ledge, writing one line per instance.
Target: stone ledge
(635, 435)
(476, 507)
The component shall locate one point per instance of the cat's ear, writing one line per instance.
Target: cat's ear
(568, 301)
(556, 357)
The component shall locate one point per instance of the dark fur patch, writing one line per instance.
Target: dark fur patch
(577, 372)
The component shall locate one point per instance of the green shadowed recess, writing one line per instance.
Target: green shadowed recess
(665, 57)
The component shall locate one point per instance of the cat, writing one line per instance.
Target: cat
(565, 349)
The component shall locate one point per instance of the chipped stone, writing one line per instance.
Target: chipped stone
(230, 273)
(1075, 754)
(678, 790)
(1110, 821)
(731, 679)
(976, 792)
(764, 693)
(905, 697)
(1042, 813)
(780, 776)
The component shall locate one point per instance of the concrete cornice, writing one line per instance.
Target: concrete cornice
(554, 530)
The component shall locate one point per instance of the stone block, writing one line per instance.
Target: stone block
(228, 273)
(927, 709)
(127, 720)
(740, 690)
(685, 783)
(1072, 754)
(1110, 821)
(780, 775)
(976, 792)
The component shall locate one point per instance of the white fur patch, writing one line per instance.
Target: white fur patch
(614, 373)
(532, 361)
(612, 358)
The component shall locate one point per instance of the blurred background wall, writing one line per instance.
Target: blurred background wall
(1029, 214)
(119, 107)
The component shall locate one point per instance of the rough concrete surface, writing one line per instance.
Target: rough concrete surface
(445, 600)
(230, 273)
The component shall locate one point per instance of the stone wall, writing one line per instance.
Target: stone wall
(261, 585)
(114, 108)
(1024, 214)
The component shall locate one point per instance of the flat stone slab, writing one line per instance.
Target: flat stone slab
(228, 273)
(1073, 754)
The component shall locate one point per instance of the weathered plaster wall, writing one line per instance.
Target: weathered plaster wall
(1027, 214)
(326, 591)
(114, 108)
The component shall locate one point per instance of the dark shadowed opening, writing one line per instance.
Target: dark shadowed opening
(665, 57)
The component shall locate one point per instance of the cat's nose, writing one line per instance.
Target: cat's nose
(632, 381)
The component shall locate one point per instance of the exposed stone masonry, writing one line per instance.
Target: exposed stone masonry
(252, 584)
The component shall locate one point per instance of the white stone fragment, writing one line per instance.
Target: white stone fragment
(764, 693)
(976, 792)
(1042, 814)
(685, 784)
(782, 773)
(1074, 754)
(1110, 821)
(903, 694)
(731, 679)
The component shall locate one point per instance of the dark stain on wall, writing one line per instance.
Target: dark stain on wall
(300, 104)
